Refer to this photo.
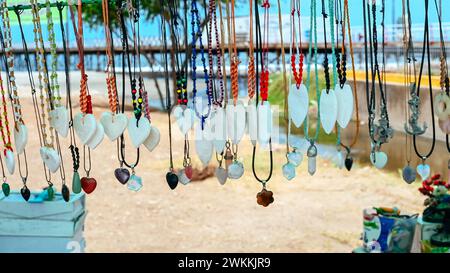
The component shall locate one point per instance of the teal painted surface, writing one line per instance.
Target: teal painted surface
(42, 226)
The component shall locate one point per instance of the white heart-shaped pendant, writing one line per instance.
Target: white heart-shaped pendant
(298, 101)
(20, 138)
(97, 138)
(10, 162)
(184, 118)
(153, 139)
(114, 124)
(344, 97)
(264, 123)
(84, 126)
(235, 121)
(59, 120)
(219, 129)
(252, 121)
(138, 131)
(424, 171)
(328, 110)
(51, 158)
(378, 159)
(203, 142)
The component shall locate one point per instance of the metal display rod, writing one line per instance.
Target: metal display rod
(54, 4)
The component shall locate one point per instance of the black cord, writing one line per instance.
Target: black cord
(325, 61)
(258, 49)
(426, 45)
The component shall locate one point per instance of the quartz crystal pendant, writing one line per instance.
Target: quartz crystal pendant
(235, 170)
(312, 155)
(295, 158)
(76, 183)
(134, 183)
(423, 170)
(409, 174)
(339, 160)
(183, 178)
(289, 171)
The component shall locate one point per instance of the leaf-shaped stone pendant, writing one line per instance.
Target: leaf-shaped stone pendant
(312, 155)
(328, 110)
(65, 193)
(288, 171)
(172, 180)
(409, 174)
(298, 101)
(50, 193)
(221, 175)
(348, 162)
(25, 192)
(6, 189)
(76, 183)
(134, 183)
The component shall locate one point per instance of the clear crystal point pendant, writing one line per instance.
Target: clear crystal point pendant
(312, 156)
(135, 182)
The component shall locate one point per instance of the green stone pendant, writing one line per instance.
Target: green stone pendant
(6, 189)
(50, 193)
(76, 183)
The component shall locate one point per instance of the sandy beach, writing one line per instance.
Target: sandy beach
(322, 213)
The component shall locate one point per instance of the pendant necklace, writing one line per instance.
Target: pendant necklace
(74, 151)
(264, 197)
(20, 131)
(379, 133)
(201, 114)
(411, 100)
(114, 123)
(5, 134)
(218, 122)
(138, 126)
(235, 110)
(312, 149)
(343, 90)
(423, 169)
(88, 129)
(295, 94)
(183, 114)
(442, 100)
(171, 176)
(328, 101)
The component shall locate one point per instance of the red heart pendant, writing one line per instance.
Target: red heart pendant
(88, 184)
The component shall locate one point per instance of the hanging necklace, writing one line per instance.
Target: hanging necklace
(312, 149)
(423, 169)
(20, 130)
(328, 101)
(88, 129)
(379, 133)
(264, 197)
(235, 109)
(171, 177)
(74, 151)
(212, 26)
(292, 95)
(343, 94)
(408, 172)
(197, 35)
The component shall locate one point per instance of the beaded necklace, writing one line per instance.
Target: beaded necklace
(74, 151)
(89, 130)
(197, 34)
(343, 86)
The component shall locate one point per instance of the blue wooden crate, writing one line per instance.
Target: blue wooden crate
(42, 226)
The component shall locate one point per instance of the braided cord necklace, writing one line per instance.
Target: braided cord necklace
(111, 84)
(74, 151)
(54, 85)
(251, 82)
(426, 46)
(264, 197)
